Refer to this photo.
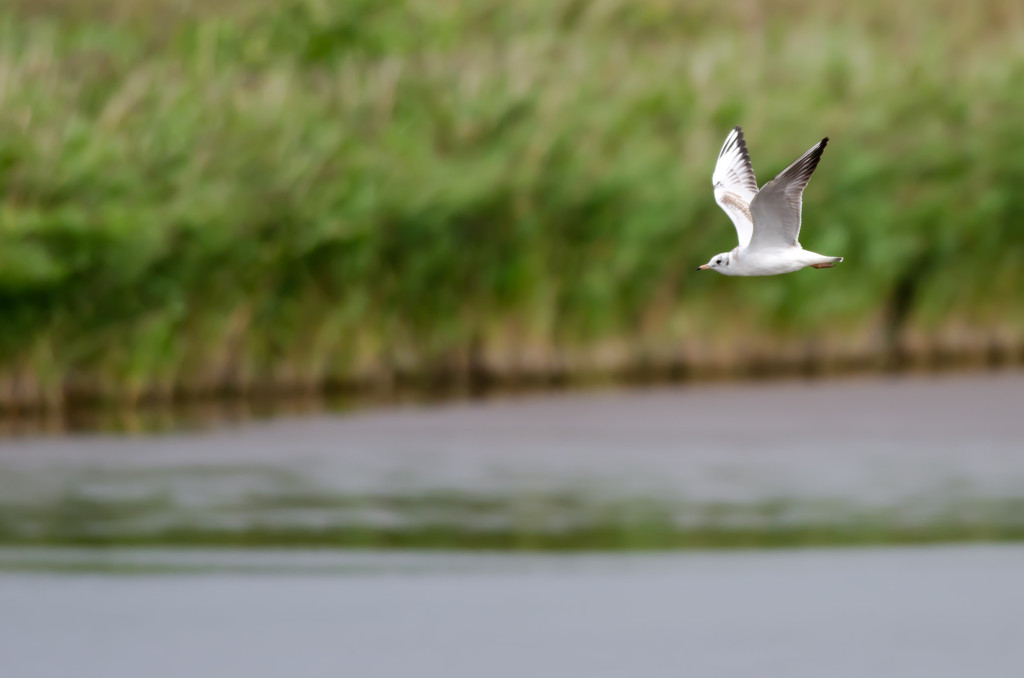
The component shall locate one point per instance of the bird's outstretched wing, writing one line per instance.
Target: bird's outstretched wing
(735, 183)
(776, 209)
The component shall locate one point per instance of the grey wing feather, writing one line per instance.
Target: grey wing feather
(776, 209)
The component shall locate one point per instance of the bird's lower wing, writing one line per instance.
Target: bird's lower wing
(776, 209)
(738, 209)
(735, 184)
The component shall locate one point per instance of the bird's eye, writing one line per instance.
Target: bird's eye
(719, 261)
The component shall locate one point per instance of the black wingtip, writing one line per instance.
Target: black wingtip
(821, 149)
(735, 141)
(743, 146)
(739, 142)
(812, 159)
(812, 156)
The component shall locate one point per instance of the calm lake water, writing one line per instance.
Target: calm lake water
(909, 448)
(928, 612)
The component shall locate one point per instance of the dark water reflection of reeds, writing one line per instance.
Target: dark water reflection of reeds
(899, 460)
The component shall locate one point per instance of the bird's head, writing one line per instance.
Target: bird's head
(717, 261)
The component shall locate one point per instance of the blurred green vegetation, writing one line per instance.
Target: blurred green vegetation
(561, 520)
(235, 196)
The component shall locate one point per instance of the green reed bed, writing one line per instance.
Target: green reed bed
(292, 195)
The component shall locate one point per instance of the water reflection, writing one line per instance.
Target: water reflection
(861, 461)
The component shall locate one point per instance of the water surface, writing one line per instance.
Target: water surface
(906, 613)
(907, 451)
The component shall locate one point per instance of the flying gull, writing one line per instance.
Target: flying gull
(767, 221)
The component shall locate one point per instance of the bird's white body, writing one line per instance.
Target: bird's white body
(767, 220)
(749, 262)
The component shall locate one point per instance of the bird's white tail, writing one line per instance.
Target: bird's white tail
(832, 261)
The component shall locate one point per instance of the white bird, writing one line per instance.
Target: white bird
(767, 222)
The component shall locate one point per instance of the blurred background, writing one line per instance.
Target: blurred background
(404, 293)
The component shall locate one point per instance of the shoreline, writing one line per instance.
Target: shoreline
(83, 410)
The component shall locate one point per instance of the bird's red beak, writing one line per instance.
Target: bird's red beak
(703, 268)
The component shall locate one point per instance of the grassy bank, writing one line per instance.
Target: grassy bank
(286, 195)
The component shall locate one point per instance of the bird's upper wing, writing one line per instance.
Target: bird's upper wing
(776, 209)
(735, 184)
